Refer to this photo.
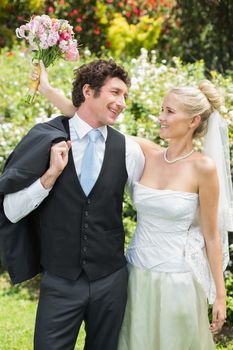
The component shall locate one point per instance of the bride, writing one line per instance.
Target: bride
(175, 256)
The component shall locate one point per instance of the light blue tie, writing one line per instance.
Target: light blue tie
(90, 166)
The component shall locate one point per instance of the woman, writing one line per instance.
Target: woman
(177, 194)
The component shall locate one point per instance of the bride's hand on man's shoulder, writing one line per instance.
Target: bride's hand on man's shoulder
(146, 145)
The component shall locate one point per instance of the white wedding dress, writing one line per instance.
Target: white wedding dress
(167, 306)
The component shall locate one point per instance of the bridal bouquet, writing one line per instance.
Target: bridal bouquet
(50, 39)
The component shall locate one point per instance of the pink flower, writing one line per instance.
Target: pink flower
(64, 36)
(72, 55)
(53, 38)
(78, 28)
(44, 32)
(35, 24)
(40, 31)
(63, 45)
(44, 45)
(21, 31)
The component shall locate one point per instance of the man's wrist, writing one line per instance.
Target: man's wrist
(49, 178)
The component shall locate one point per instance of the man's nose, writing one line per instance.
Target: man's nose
(121, 102)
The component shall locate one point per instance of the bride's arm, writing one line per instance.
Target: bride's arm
(208, 195)
(146, 145)
(55, 96)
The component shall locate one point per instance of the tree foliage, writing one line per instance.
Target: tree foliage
(200, 29)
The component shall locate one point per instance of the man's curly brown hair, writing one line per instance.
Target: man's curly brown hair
(95, 74)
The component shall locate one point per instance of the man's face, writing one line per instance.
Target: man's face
(110, 102)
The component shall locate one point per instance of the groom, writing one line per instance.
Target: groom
(74, 199)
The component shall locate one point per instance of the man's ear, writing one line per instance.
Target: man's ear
(87, 91)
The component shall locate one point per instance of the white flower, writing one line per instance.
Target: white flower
(230, 113)
(223, 109)
(87, 52)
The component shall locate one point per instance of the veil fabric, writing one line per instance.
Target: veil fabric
(216, 146)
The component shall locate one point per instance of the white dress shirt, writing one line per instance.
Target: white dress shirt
(19, 204)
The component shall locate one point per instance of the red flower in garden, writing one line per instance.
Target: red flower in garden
(70, 14)
(78, 28)
(120, 4)
(97, 31)
(151, 2)
(10, 53)
(61, 2)
(51, 9)
(128, 14)
(109, 1)
(137, 11)
(170, 4)
(19, 18)
(75, 12)
(78, 20)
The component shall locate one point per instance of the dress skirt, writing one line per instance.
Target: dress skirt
(165, 311)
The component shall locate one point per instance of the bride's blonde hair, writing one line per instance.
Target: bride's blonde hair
(201, 100)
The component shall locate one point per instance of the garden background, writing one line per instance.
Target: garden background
(162, 44)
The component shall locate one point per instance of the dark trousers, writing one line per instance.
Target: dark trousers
(64, 304)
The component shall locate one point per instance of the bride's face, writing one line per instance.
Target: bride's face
(174, 121)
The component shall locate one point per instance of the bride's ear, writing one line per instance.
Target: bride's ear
(195, 121)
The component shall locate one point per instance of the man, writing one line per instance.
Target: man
(78, 208)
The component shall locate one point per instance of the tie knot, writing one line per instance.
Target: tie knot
(94, 134)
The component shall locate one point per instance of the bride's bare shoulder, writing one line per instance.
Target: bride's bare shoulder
(204, 165)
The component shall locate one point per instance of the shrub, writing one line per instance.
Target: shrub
(127, 39)
(91, 19)
(13, 14)
(200, 30)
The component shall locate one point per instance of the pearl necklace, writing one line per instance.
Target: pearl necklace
(176, 159)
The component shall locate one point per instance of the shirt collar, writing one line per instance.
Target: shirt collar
(82, 128)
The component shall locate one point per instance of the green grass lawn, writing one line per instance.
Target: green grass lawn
(17, 317)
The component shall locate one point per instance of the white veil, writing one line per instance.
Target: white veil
(216, 146)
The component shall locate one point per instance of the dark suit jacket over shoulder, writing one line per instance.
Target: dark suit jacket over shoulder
(29, 160)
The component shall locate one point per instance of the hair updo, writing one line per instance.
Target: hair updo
(201, 100)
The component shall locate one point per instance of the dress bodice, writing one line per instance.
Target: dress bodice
(163, 220)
